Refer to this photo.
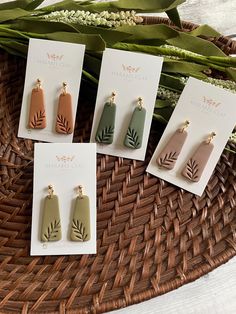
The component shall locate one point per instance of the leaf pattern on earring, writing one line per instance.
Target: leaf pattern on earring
(105, 135)
(38, 119)
(133, 138)
(192, 170)
(168, 159)
(79, 230)
(63, 125)
(52, 231)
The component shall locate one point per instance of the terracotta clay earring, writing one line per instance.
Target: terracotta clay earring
(134, 135)
(51, 221)
(80, 229)
(197, 163)
(106, 126)
(169, 155)
(37, 116)
(64, 123)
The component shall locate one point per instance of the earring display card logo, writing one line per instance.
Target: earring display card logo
(64, 199)
(122, 129)
(49, 107)
(193, 152)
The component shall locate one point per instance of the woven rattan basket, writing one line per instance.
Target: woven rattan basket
(152, 236)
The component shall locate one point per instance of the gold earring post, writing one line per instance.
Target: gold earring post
(211, 137)
(140, 103)
(112, 98)
(50, 191)
(185, 126)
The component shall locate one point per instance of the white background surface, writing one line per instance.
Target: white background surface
(214, 293)
(128, 87)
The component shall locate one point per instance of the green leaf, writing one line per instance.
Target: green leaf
(184, 67)
(42, 26)
(195, 44)
(137, 5)
(141, 32)
(160, 103)
(12, 14)
(63, 5)
(33, 4)
(172, 37)
(92, 42)
(231, 73)
(110, 36)
(205, 30)
(92, 64)
(171, 82)
(14, 4)
(173, 15)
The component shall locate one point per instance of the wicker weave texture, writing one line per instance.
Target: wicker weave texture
(152, 236)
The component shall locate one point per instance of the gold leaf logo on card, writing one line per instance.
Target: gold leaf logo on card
(211, 102)
(54, 57)
(130, 69)
(65, 158)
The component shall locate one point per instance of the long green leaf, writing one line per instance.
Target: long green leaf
(205, 30)
(14, 4)
(172, 37)
(92, 42)
(186, 68)
(12, 14)
(171, 82)
(196, 44)
(173, 15)
(34, 4)
(41, 26)
(137, 5)
(110, 36)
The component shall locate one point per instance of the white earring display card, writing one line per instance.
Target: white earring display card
(211, 113)
(51, 90)
(64, 199)
(134, 78)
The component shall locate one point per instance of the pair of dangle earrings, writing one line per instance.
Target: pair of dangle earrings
(134, 135)
(37, 112)
(196, 164)
(51, 220)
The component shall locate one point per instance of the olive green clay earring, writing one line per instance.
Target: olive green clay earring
(106, 126)
(134, 135)
(51, 221)
(80, 228)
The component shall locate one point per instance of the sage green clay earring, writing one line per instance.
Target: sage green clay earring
(134, 135)
(106, 125)
(80, 229)
(51, 221)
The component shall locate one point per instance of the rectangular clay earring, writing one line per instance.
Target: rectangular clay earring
(37, 116)
(64, 123)
(105, 130)
(134, 135)
(197, 163)
(169, 155)
(51, 221)
(80, 229)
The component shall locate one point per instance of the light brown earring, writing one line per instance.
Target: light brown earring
(169, 155)
(37, 116)
(196, 164)
(64, 123)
